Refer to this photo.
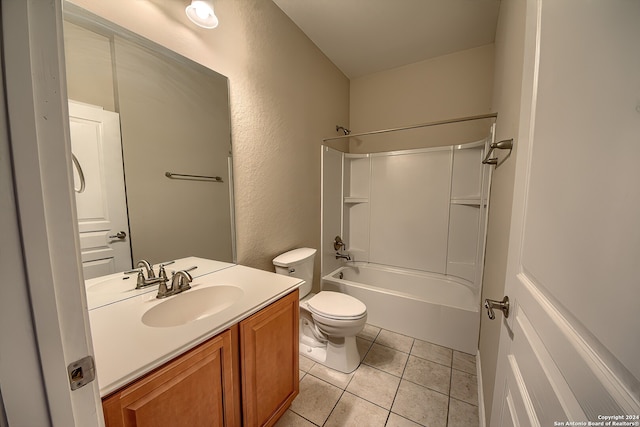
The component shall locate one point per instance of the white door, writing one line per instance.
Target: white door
(99, 189)
(570, 348)
(46, 291)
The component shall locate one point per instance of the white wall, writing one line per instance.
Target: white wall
(331, 207)
(409, 208)
(285, 97)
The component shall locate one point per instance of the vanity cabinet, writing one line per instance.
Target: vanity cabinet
(246, 375)
(195, 389)
(269, 361)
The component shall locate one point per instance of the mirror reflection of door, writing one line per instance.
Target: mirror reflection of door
(99, 189)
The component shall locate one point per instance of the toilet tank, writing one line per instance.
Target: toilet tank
(297, 263)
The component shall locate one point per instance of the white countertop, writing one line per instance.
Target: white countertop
(119, 286)
(125, 348)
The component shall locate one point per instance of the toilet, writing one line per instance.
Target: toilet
(329, 321)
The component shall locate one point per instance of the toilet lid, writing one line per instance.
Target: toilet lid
(336, 305)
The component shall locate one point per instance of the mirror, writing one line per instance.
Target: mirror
(173, 118)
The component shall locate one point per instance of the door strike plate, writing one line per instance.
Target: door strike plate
(81, 372)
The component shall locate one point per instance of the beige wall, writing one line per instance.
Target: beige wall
(509, 53)
(449, 86)
(285, 97)
(89, 67)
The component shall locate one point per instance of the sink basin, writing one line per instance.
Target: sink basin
(191, 305)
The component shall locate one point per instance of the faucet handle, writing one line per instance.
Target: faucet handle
(162, 273)
(163, 292)
(140, 280)
(338, 243)
(180, 281)
(147, 266)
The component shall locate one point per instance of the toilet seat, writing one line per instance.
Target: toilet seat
(337, 306)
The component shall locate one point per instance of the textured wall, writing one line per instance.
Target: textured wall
(285, 97)
(444, 87)
(506, 101)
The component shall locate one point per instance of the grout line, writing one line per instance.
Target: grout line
(450, 386)
(429, 388)
(334, 407)
(463, 401)
(367, 400)
(432, 361)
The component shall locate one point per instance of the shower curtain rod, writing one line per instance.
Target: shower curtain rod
(422, 125)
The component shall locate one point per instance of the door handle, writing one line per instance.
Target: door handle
(119, 235)
(503, 305)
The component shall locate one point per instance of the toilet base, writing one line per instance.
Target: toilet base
(340, 354)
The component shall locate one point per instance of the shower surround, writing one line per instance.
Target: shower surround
(414, 224)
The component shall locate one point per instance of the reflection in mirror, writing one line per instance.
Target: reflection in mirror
(173, 117)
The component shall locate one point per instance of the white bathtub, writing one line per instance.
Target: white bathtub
(431, 307)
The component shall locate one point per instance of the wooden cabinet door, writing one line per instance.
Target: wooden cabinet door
(195, 389)
(269, 361)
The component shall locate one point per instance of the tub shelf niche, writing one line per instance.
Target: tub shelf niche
(466, 213)
(355, 200)
(356, 188)
(467, 201)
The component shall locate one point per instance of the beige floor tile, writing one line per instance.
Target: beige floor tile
(386, 359)
(304, 363)
(301, 374)
(394, 340)
(363, 347)
(374, 385)
(428, 374)
(432, 352)
(464, 387)
(291, 419)
(420, 404)
(354, 411)
(464, 362)
(462, 414)
(396, 420)
(369, 332)
(338, 379)
(316, 399)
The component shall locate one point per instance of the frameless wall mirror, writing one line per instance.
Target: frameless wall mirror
(151, 141)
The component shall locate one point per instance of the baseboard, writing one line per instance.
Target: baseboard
(482, 422)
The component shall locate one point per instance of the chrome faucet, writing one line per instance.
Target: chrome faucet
(343, 256)
(179, 283)
(151, 279)
(338, 245)
(147, 266)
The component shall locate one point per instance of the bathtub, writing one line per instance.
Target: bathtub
(439, 309)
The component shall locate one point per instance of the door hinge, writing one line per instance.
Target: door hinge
(81, 372)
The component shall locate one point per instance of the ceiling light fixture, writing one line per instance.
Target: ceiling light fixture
(200, 12)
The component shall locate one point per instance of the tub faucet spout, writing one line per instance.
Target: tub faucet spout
(343, 256)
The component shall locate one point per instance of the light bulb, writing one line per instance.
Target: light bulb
(200, 12)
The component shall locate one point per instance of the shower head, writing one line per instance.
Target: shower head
(343, 129)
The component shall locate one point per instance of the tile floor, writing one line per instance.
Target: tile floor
(401, 381)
